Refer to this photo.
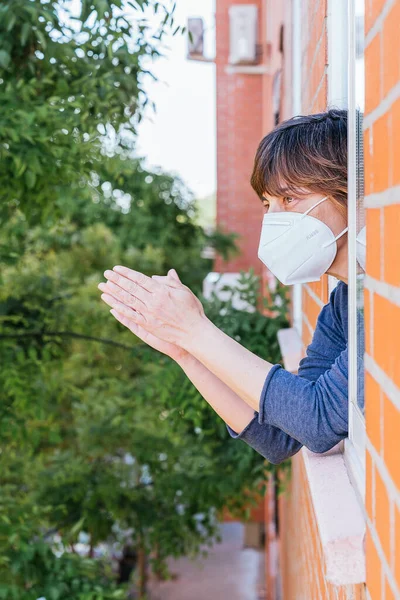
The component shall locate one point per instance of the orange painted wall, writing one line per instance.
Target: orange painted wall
(382, 297)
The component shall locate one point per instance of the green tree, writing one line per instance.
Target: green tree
(98, 432)
(105, 433)
(68, 80)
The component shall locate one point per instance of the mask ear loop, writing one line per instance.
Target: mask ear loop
(338, 236)
(312, 207)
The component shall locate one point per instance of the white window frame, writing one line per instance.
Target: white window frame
(354, 448)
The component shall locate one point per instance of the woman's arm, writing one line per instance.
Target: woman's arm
(314, 413)
(241, 370)
(228, 405)
(269, 441)
(171, 312)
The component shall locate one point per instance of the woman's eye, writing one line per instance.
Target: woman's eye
(289, 200)
(266, 207)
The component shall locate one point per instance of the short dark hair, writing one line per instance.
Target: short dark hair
(306, 151)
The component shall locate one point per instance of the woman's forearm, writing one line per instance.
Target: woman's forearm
(173, 314)
(228, 405)
(240, 370)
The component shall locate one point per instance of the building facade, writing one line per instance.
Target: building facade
(335, 532)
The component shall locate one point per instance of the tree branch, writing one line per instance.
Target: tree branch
(71, 334)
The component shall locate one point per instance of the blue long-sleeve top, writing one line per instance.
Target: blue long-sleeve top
(310, 408)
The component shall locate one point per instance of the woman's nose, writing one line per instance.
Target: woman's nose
(275, 207)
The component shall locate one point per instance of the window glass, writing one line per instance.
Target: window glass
(355, 445)
(360, 216)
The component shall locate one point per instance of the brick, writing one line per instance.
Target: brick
(373, 263)
(307, 337)
(397, 546)
(373, 80)
(394, 138)
(391, 442)
(391, 49)
(321, 99)
(386, 336)
(391, 239)
(389, 595)
(320, 288)
(367, 320)
(368, 164)
(373, 414)
(381, 144)
(385, 350)
(394, 373)
(373, 8)
(369, 474)
(382, 513)
(374, 569)
(312, 310)
(359, 592)
(324, 295)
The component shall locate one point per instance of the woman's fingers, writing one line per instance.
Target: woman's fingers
(172, 273)
(167, 280)
(129, 324)
(128, 312)
(144, 335)
(129, 286)
(121, 318)
(139, 279)
(134, 327)
(119, 294)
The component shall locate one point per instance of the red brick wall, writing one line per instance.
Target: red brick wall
(382, 297)
(314, 99)
(302, 560)
(239, 118)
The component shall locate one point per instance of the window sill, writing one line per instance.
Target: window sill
(338, 514)
(340, 521)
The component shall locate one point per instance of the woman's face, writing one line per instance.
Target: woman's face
(326, 211)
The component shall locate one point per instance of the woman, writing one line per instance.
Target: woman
(300, 168)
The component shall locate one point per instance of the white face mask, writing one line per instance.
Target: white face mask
(361, 249)
(296, 247)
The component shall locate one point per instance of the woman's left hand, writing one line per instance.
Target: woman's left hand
(162, 306)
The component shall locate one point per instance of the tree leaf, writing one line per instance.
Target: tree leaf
(25, 31)
(4, 59)
(30, 179)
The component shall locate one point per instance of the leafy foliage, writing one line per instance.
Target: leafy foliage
(99, 434)
(67, 81)
(32, 568)
(104, 432)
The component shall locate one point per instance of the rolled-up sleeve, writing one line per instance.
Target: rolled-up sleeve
(269, 441)
(313, 412)
(310, 408)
